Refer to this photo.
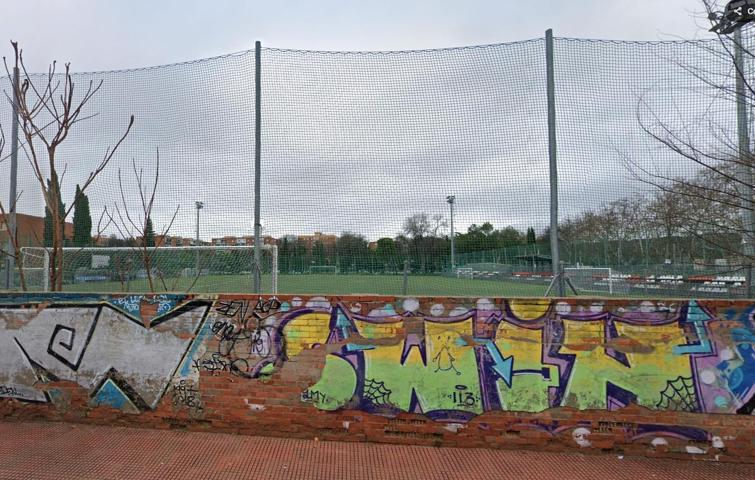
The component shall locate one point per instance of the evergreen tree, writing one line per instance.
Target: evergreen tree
(82, 220)
(284, 255)
(48, 228)
(531, 237)
(47, 234)
(149, 233)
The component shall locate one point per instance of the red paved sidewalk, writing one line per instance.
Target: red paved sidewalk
(69, 451)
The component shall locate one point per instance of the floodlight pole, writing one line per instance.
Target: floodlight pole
(551, 88)
(256, 271)
(451, 199)
(745, 162)
(199, 206)
(10, 222)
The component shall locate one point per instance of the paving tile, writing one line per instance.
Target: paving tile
(62, 451)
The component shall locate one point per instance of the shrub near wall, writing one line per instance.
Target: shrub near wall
(674, 378)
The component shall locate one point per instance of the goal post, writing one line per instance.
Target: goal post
(203, 268)
(591, 279)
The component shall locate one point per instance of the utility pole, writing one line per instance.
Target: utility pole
(257, 271)
(745, 163)
(10, 263)
(551, 90)
(451, 199)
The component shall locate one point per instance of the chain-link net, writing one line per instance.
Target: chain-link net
(418, 172)
(649, 166)
(367, 148)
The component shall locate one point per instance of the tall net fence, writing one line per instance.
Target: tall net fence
(369, 160)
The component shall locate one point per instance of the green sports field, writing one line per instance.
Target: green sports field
(330, 284)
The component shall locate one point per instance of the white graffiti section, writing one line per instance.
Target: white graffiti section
(119, 361)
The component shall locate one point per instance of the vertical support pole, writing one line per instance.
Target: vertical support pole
(745, 164)
(451, 199)
(551, 88)
(257, 270)
(10, 264)
(199, 206)
(405, 282)
(275, 270)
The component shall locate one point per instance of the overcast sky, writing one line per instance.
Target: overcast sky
(104, 35)
(359, 142)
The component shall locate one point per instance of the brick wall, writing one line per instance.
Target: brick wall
(30, 230)
(673, 378)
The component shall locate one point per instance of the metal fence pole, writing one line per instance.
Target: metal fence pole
(257, 271)
(451, 200)
(274, 273)
(10, 263)
(745, 167)
(405, 278)
(551, 87)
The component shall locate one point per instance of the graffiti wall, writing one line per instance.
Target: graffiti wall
(336, 364)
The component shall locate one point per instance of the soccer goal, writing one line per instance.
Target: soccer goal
(591, 279)
(465, 273)
(328, 269)
(208, 268)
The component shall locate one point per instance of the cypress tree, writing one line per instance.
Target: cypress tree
(82, 220)
(531, 238)
(149, 233)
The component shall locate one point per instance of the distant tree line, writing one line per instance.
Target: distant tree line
(689, 221)
(424, 242)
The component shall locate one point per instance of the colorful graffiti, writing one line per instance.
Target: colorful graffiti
(122, 350)
(533, 355)
(449, 360)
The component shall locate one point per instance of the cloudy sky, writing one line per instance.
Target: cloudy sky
(359, 142)
(102, 35)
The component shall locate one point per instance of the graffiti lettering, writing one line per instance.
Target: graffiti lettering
(312, 396)
(247, 342)
(219, 363)
(242, 311)
(7, 391)
(463, 398)
(530, 357)
(234, 339)
(186, 394)
(510, 355)
(266, 306)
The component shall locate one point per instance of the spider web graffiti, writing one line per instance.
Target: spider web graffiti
(679, 395)
(376, 393)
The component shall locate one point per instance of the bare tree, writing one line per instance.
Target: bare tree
(424, 232)
(47, 111)
(718, 200)
(139, 225)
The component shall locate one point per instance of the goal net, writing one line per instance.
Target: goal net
(176, 269)
(591, 279)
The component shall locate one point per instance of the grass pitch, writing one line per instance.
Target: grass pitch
(419, 285)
